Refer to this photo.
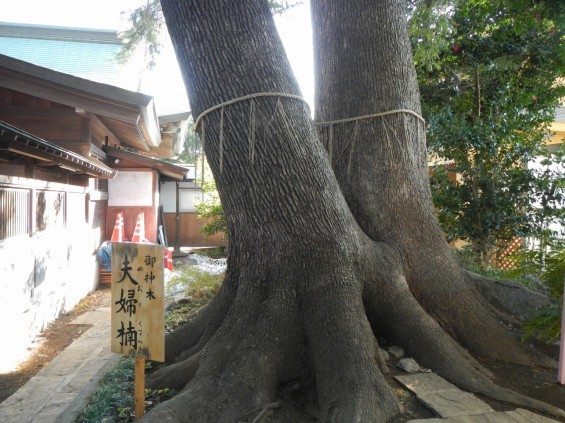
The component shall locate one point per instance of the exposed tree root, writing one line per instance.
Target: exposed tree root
(513, 301)
(439, 286)
(252, 354)
(341, 343)
(398, 315)
(176, 375)
(243, 364)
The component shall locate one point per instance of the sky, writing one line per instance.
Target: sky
(164, 81)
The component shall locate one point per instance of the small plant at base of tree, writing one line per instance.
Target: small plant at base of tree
(114, 396)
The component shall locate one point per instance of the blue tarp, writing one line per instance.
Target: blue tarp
(104, 255)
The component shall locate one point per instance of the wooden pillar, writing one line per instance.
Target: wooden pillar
(177, 219)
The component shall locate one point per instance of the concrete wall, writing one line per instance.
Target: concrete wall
(45, 272)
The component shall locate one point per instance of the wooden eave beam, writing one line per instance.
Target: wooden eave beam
(27, 145)
(99, 125)
(67, 96)
(102, 99)
(38, 113)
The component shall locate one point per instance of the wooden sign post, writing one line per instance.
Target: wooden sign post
(561, 372)
(138, 316)
(139, 392)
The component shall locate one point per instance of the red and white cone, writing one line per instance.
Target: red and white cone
(139, 232)
(118, 232)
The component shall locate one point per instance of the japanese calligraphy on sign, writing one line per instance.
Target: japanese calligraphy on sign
(138, 318)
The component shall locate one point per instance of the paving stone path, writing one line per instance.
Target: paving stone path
(59, 391)
(456, 406)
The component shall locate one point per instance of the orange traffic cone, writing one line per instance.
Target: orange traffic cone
(139, 232)
(118, 232)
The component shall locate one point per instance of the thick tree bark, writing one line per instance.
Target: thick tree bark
(295, 238)
(306, 287)
(364, 66)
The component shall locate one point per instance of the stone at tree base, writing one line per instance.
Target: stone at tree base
(384, 354)
(395, 351)
(515, 416)
(509, 296)
(409, 365)
(453, 402)
(528, 416)
(457, 406)
(425, 382)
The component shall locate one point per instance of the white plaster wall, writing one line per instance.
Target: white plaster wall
(131, 188)
(40, 278)
(189, 196)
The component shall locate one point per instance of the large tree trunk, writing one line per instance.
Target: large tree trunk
(364, 67)
(307, 285)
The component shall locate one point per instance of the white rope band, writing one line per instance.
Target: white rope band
(252, 122)
(353, 119)
(245, 97)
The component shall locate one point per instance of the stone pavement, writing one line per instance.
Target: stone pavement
(456, 406)
(59, 391)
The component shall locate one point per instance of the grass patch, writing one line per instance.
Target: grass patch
(198, 288)
(114, 396)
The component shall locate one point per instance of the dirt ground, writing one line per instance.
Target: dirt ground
(52, 341)
(537, 382)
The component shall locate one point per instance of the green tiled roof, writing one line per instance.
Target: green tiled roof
(88, 54)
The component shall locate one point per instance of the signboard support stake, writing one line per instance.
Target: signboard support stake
(139, 385)
(561, 371)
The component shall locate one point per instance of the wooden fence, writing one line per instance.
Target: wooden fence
(189, 231)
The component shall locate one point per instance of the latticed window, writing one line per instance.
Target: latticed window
(15, 212)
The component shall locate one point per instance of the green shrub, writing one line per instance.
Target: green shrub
(547, 276)
(545, 324)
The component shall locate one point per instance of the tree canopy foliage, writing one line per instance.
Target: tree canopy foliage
(146, 29)
(489, 78)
